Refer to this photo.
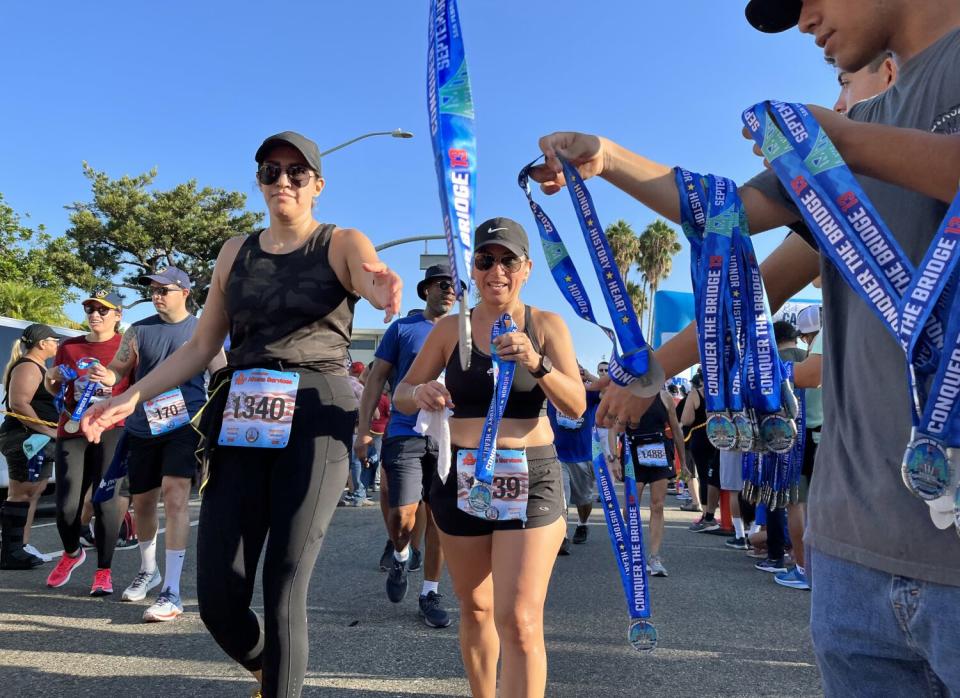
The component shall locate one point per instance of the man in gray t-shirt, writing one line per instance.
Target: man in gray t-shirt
(886, 583)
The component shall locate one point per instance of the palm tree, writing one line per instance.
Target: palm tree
(639, 300)
(25, 302)
(624, 244)
(658, 245)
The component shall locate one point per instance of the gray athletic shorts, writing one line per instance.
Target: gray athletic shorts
(731, 471)
(578, 483)
(409, 462)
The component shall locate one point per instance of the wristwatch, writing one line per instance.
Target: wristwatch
(546, 365)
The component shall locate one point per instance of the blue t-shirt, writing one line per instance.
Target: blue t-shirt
(156, 340)
(573, 438)
(399, 347)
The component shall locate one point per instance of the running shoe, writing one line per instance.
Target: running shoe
(387, 556)
(737, 543)
(416, 560)
(656, 567)
(60, 574)
(397, 581)
(431, 612)
(564, 546)
(141, 584)
(30, 550)
(689, 505)
(795, 579)
(758, 553)
(87, 539)
(127, 538)
(166, 607)
(360, 502)
(769, 565)
(580, 534)
(102, 583)
(704, 526)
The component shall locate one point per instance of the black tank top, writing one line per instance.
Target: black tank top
(289, 309)
(652, 424)
(41, 402)
(472, 390)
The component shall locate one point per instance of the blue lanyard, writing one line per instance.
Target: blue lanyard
(625, 369)
(67, 374)
(87, 393)
(114, 473)
(450, 109)
(625, 537)
(503, 380)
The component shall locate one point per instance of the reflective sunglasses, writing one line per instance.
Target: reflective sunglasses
(485, 262)
(162, 291)
(445, 285)
(299, 175)
(91, 309)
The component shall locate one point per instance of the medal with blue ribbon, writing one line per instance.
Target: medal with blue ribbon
(451, 116)
(627, 541)
(503, 372)
(910, 302)
(634, 368)
(72, 426)
(67, 374)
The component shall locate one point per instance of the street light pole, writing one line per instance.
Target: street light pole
(395, 133)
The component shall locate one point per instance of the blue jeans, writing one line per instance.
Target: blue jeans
(363, 478)
(877, 634)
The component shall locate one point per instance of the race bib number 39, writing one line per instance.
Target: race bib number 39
(259, 410)
(166, 412)
(502, 500)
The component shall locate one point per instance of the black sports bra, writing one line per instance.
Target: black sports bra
(472, 390)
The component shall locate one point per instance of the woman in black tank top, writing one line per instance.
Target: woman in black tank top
(286, 295)
(546, 367)
(25, 395)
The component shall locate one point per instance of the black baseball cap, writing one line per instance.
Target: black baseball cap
(773, 16)
(307, 148)
(168, 275)
(502, 231)
(437, 271)
(38, 332)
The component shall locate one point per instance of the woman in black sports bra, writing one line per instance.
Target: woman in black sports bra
(500, 541)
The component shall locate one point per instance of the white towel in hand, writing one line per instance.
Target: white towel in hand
(435, 424)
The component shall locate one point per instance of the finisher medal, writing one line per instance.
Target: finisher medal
(480, 496)
(926, 468)
(746, 431)
(721, 431)
(642, 636)
(778, 432)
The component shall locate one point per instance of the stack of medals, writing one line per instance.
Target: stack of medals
(917, 305)
(750, 402)
(451, 118)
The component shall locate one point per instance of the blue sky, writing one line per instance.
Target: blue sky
(192, 89)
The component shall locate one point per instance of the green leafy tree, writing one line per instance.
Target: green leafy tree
(128, 230)
(658, 245)
(638, 298)
(624, 244)
(27, 302)
(32, 258)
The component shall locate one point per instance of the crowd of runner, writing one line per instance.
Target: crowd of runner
(281, 428)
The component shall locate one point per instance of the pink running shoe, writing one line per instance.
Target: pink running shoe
(65, 567)
(102, 583)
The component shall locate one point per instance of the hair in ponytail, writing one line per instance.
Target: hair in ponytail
(17, 350)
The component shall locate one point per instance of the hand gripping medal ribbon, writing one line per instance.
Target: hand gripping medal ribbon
(627, 541)
(450, 110)
(72, 426)
(634, 369)
(912, 303)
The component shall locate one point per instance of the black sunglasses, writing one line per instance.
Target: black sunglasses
(485, 262)
(91, 309)
(444, 285)
(162, 291)
(299, 175)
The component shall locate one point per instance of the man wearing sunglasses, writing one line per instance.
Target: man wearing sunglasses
(160, 440)
(408, 458)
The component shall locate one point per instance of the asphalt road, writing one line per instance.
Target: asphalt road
(724, 628)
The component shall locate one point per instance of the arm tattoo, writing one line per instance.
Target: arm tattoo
(125, 354)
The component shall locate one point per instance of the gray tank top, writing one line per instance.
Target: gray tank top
(289, 309)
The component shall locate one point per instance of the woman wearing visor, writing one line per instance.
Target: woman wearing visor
(499, 549)
(280, 422)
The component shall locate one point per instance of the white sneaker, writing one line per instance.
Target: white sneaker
(36, 553)
(141, 584)
(656, 567)
(166, 607)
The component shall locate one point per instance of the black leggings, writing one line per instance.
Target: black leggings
(79, 466)
(290, 493)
